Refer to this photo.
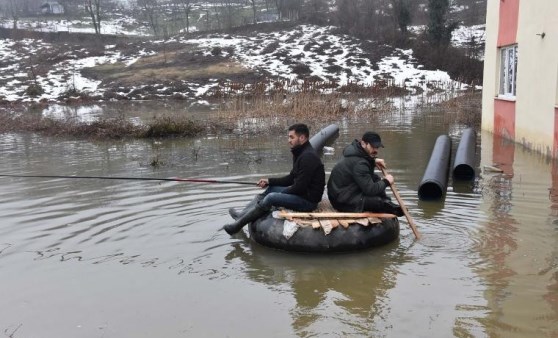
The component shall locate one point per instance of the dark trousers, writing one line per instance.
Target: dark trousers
(274, 197)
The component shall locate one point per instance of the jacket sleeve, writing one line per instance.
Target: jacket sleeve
(364, 178)
(306, 170)
(284, 181)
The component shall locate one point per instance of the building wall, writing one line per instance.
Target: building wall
(530, 119)
(491, 64)
(537, 74)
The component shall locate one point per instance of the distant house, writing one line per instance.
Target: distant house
(52, 7)
(520, 89)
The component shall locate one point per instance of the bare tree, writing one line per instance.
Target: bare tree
(254, 10)
(29, 7)
(279, 5)
(402, 12)
(268, 4)
(71, 7)
(186, 6)
(291, 9)
(440, 27)
(150, 10)
(13, 11)
(315, 11)
(229, 12)
(93, 7)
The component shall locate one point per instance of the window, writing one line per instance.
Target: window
(508, 70)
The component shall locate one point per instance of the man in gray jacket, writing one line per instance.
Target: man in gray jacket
(353, 186)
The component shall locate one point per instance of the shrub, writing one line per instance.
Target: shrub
(301, 69)
(453, 60)
(216, 51)
(34, 90)
(172, 127)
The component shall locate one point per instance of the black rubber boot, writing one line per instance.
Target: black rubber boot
(377, 204)
(393, 208)
(251, 215)
(236, 214)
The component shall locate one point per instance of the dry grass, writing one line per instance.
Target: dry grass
(131, 76)
(47, 126)
(256, 112)
(113, 128)
(264, 113)
(465, 109)
(167, 66)
(168, 126)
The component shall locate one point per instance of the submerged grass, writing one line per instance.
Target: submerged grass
(259, 113)
(465, 109)
(244, 114)
(105, 128)
(168, 126)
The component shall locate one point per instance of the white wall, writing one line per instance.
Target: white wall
(536, 73)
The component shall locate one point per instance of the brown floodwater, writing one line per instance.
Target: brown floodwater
(105, 258)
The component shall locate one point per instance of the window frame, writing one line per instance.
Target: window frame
(508, 72)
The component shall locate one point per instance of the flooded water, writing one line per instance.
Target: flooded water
(105, 258)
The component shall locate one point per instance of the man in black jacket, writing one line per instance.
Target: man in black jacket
(353, 186)
(300, 190)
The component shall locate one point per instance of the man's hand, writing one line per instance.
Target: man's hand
(389, 178)
(263, 182)
(380, 163)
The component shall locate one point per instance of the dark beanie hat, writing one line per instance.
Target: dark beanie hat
(372, 138)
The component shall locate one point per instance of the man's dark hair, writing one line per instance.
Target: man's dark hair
(300, 129)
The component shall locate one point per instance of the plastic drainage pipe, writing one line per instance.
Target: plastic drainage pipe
(324, 136)
(435, 179)
(463, 165)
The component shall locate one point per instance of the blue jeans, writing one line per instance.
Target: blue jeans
(274, 197)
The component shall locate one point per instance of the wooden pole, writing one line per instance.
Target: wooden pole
(403, 207)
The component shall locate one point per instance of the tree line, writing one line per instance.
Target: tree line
(385, 21)
(381, 20)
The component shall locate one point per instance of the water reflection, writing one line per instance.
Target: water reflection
(73, 113)
(517, 247)
(432, 209)
(552, 269)
(341, 293)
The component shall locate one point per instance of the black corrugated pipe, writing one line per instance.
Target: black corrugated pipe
(463, 164)
(435, 179)
(324, 136)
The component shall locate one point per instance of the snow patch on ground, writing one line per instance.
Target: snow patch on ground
(316, 51)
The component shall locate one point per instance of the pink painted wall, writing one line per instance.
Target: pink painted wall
(504, 118)
(504, 135)
(507, 29)
(555, 147)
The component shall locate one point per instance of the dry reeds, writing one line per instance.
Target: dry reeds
(104, 128)
(259, 110)
(167, 126)
(265, 113)
(270, 106)
(467, 108)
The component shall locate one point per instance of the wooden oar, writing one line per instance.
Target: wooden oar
(403, 207)
(285, 214)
